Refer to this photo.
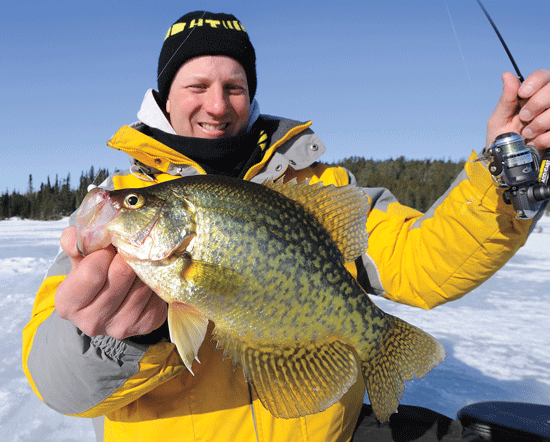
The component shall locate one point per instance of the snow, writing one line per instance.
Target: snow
(496, 338)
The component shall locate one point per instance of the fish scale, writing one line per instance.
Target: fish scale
(265, 263)
(281, 237)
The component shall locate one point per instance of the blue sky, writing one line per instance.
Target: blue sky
(378, 79)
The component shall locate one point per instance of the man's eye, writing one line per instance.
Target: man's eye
(235, 89)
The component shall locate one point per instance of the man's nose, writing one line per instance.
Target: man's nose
(216, 101)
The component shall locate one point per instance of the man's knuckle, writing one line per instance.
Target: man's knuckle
(62, 311)
(119, 331)
(90, 277)
(89, 328)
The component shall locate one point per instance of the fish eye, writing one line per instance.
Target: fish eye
(133, 201)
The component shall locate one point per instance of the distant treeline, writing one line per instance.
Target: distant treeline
(415, 183)
(49, 201)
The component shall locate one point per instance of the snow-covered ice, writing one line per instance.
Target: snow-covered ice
(27, 248)
(496, 338)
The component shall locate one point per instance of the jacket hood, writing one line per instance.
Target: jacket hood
(152, 115)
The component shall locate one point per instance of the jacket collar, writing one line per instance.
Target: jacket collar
(292, 144)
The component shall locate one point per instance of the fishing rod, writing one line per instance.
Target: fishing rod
(518, 168)
(520, 77)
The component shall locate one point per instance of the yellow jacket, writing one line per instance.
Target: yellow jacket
(146, 393)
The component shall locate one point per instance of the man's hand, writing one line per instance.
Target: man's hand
(532, 119)
(102, 295)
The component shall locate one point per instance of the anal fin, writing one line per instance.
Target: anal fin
(187, 328)
(295, 381)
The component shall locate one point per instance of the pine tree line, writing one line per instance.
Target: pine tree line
(415, 183)
(50, 201)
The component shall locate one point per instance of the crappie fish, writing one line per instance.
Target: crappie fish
(265, 263)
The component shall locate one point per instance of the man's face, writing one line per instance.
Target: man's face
(209, 98)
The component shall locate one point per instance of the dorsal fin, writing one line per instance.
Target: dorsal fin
(341, 210)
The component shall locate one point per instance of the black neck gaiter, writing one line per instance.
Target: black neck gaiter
(231, 156)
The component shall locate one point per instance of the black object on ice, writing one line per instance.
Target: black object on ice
(507, 421)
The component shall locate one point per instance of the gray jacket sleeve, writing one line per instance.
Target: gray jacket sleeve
(72, 371)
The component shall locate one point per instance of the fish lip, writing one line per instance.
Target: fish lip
(93, 215)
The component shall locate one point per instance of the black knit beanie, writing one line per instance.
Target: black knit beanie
(204, 33)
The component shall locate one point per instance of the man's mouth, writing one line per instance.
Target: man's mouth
(214, 127)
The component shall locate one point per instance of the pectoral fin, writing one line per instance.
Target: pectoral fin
(295, 381)
(187, 330)
(213, 278)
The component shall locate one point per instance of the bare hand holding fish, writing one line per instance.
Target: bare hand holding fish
(266, 265)
(102, 294)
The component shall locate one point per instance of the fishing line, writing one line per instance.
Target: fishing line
(179, 47)
(458, 42)
(93, 184)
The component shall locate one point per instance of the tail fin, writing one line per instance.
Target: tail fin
(403, 351)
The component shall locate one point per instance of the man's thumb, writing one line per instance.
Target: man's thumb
(507, 105)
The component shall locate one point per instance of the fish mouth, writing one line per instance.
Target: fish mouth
(92, 217)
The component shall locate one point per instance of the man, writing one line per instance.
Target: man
(96, 344)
